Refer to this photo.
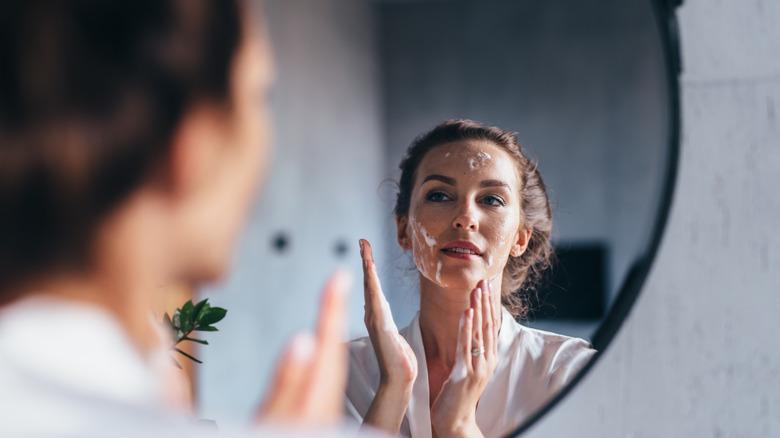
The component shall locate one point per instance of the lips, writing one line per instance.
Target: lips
(462, 247)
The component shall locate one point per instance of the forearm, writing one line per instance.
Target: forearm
(388, 407)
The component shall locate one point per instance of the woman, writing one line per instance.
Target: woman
(474, 212)
(132, 138)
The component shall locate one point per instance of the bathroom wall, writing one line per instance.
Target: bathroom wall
(699, 355)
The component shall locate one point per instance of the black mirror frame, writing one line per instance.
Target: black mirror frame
(666, 21)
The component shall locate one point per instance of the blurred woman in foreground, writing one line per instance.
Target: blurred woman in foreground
(132, 138)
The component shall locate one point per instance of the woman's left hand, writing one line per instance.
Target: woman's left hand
(454, 411)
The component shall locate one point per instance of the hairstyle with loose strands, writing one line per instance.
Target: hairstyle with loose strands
(521, 274)
(91, 92)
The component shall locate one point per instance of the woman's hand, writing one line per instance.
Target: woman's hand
(397, 363)
(454, 411)
(310, 377)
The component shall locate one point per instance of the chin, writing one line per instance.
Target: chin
(465, 279)
(455, 281)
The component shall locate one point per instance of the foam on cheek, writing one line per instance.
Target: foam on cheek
(459, 370)
(429, 239)
(424, 258)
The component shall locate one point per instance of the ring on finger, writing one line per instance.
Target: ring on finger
(478, 351)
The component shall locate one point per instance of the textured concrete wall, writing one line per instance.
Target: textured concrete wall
(699, 356)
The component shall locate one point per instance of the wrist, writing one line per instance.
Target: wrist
(466, 428)
(388, 408)
(397, 390)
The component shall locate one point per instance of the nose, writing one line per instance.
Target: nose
(466, 218)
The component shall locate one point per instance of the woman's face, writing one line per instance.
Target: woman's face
(237, 146)
(464, 214)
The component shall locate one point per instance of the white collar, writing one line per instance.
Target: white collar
(75, 347)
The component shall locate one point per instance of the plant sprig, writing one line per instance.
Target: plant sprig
(189, 318)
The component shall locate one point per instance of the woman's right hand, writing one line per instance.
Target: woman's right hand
(397, 362)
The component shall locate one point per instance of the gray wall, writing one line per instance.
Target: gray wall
(321, 191)
(699, 356)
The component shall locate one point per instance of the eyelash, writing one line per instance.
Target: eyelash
(430, 196)
(485, 199)
(500, 201)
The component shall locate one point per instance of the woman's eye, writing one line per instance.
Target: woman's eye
(437, 197)
(493, 200)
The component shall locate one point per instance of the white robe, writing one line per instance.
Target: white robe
(69, 370)
(533, 365)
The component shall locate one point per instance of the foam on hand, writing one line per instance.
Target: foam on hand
(459, 370)
(387, 316)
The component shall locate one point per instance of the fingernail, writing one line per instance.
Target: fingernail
(341, 281)
(360, 244)
(478, 294)
(303, 346)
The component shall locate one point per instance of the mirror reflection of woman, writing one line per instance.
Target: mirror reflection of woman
(474, 212)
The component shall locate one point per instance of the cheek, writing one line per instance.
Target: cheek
(423, 249)
(255, 137)
(505, 232)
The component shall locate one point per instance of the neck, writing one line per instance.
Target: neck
(127, 271)
(440, 311)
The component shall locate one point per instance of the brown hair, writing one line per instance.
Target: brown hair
(521, 273)
(91, 92)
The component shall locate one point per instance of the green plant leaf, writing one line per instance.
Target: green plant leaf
(177, 319)
(178, 335)
(215, 314)
(187, 355)
(187, 316)
(204, 310)
(206, 328)
(199, 309)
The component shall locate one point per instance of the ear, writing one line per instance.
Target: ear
(521, 243)
(194, 150)
(404, 240)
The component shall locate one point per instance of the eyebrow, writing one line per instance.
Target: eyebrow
(442, 178)
(451, 181)
(494, 183)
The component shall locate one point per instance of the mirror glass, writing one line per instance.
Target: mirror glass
(584, 84)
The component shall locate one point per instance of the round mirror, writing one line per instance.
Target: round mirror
(591, 89)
